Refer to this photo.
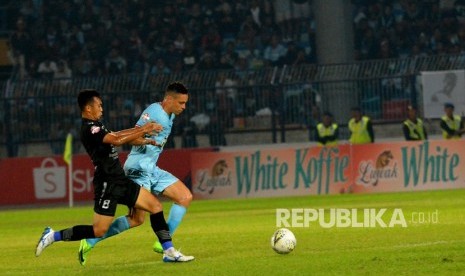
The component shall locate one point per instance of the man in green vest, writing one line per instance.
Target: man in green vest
(451, 125)
(327, 132)
(413, 127)
(361, 128)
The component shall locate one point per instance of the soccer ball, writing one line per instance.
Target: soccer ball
(283, 241)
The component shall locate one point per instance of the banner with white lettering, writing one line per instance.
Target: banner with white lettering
(408, 166)
(266, 173)
(373, 168)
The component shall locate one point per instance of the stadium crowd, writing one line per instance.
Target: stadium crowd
(97, 37)
(92, 38)
(56, 39)
(408, 28)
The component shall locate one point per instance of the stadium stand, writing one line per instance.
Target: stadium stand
(157, 37)
(123, 46)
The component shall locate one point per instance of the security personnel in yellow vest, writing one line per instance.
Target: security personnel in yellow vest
(327, 132)
(413, 127)
(361, 128)
(451, 125)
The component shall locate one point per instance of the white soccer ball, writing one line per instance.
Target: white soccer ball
(283, 241)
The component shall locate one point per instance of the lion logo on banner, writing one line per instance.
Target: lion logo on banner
(219, 175)
(218, 170)
(383, 159)
(382, 162)
(371, 172)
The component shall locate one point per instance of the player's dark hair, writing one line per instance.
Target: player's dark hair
(177, 87)
(86, 96)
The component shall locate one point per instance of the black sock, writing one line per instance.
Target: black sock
(160, 227)
(77, 233)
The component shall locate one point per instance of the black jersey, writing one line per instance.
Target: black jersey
(104, 156)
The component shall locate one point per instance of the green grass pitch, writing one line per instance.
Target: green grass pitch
(232, 237)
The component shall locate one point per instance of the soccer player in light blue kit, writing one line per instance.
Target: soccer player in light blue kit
(141, 167)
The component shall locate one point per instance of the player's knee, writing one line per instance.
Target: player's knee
(137, 220)
(184, 199)
(156, 207)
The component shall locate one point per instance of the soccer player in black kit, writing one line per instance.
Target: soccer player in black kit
(111, 186)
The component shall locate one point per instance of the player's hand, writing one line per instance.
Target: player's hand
(151, 142)
(152, 128)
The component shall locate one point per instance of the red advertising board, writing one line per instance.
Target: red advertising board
(39, 180)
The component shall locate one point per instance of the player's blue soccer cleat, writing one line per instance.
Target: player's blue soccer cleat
(157, 248)
(84, 250)
(174, 256)
(45, 240)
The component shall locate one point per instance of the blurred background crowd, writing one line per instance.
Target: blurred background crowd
(101, 37)
(62, 39)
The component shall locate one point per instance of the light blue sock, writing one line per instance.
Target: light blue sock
(119, 225)
(177, 212)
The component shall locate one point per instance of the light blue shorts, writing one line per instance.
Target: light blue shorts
(155, 182)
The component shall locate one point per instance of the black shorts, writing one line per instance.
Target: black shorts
(112, 191)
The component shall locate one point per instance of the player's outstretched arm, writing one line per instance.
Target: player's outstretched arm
(143, 141)
(157, 129)
(126, 136)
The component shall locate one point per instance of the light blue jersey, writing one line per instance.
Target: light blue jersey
(141, 165)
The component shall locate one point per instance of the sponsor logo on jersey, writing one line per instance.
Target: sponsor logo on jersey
(94, 129)
(145, 117)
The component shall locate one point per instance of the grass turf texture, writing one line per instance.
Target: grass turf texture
(232, 237)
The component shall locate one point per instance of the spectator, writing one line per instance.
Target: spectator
(211, 41)
(224, 64)
(275, 51)
(172, 56)
(226, 93)
(252, 55)
(283, 15)
(179, 42)
(20, 42)
(413, 128)
(63, 73)
(452, 125)
(207, 62)
(256, 13)
(230, 56)
(226, 87)
(327, 132)
(291, 54)
(361, 128)
(249, 29)
(47, 68)
(159, 67)
(300, 11)
(134, 46)
(83, 65)
(227, 21)
(115, 63)
(189, 57)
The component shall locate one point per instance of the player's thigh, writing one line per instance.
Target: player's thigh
(101, 223)
(143, 179)
(179, 193)
(106, 195)
(148, 202)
